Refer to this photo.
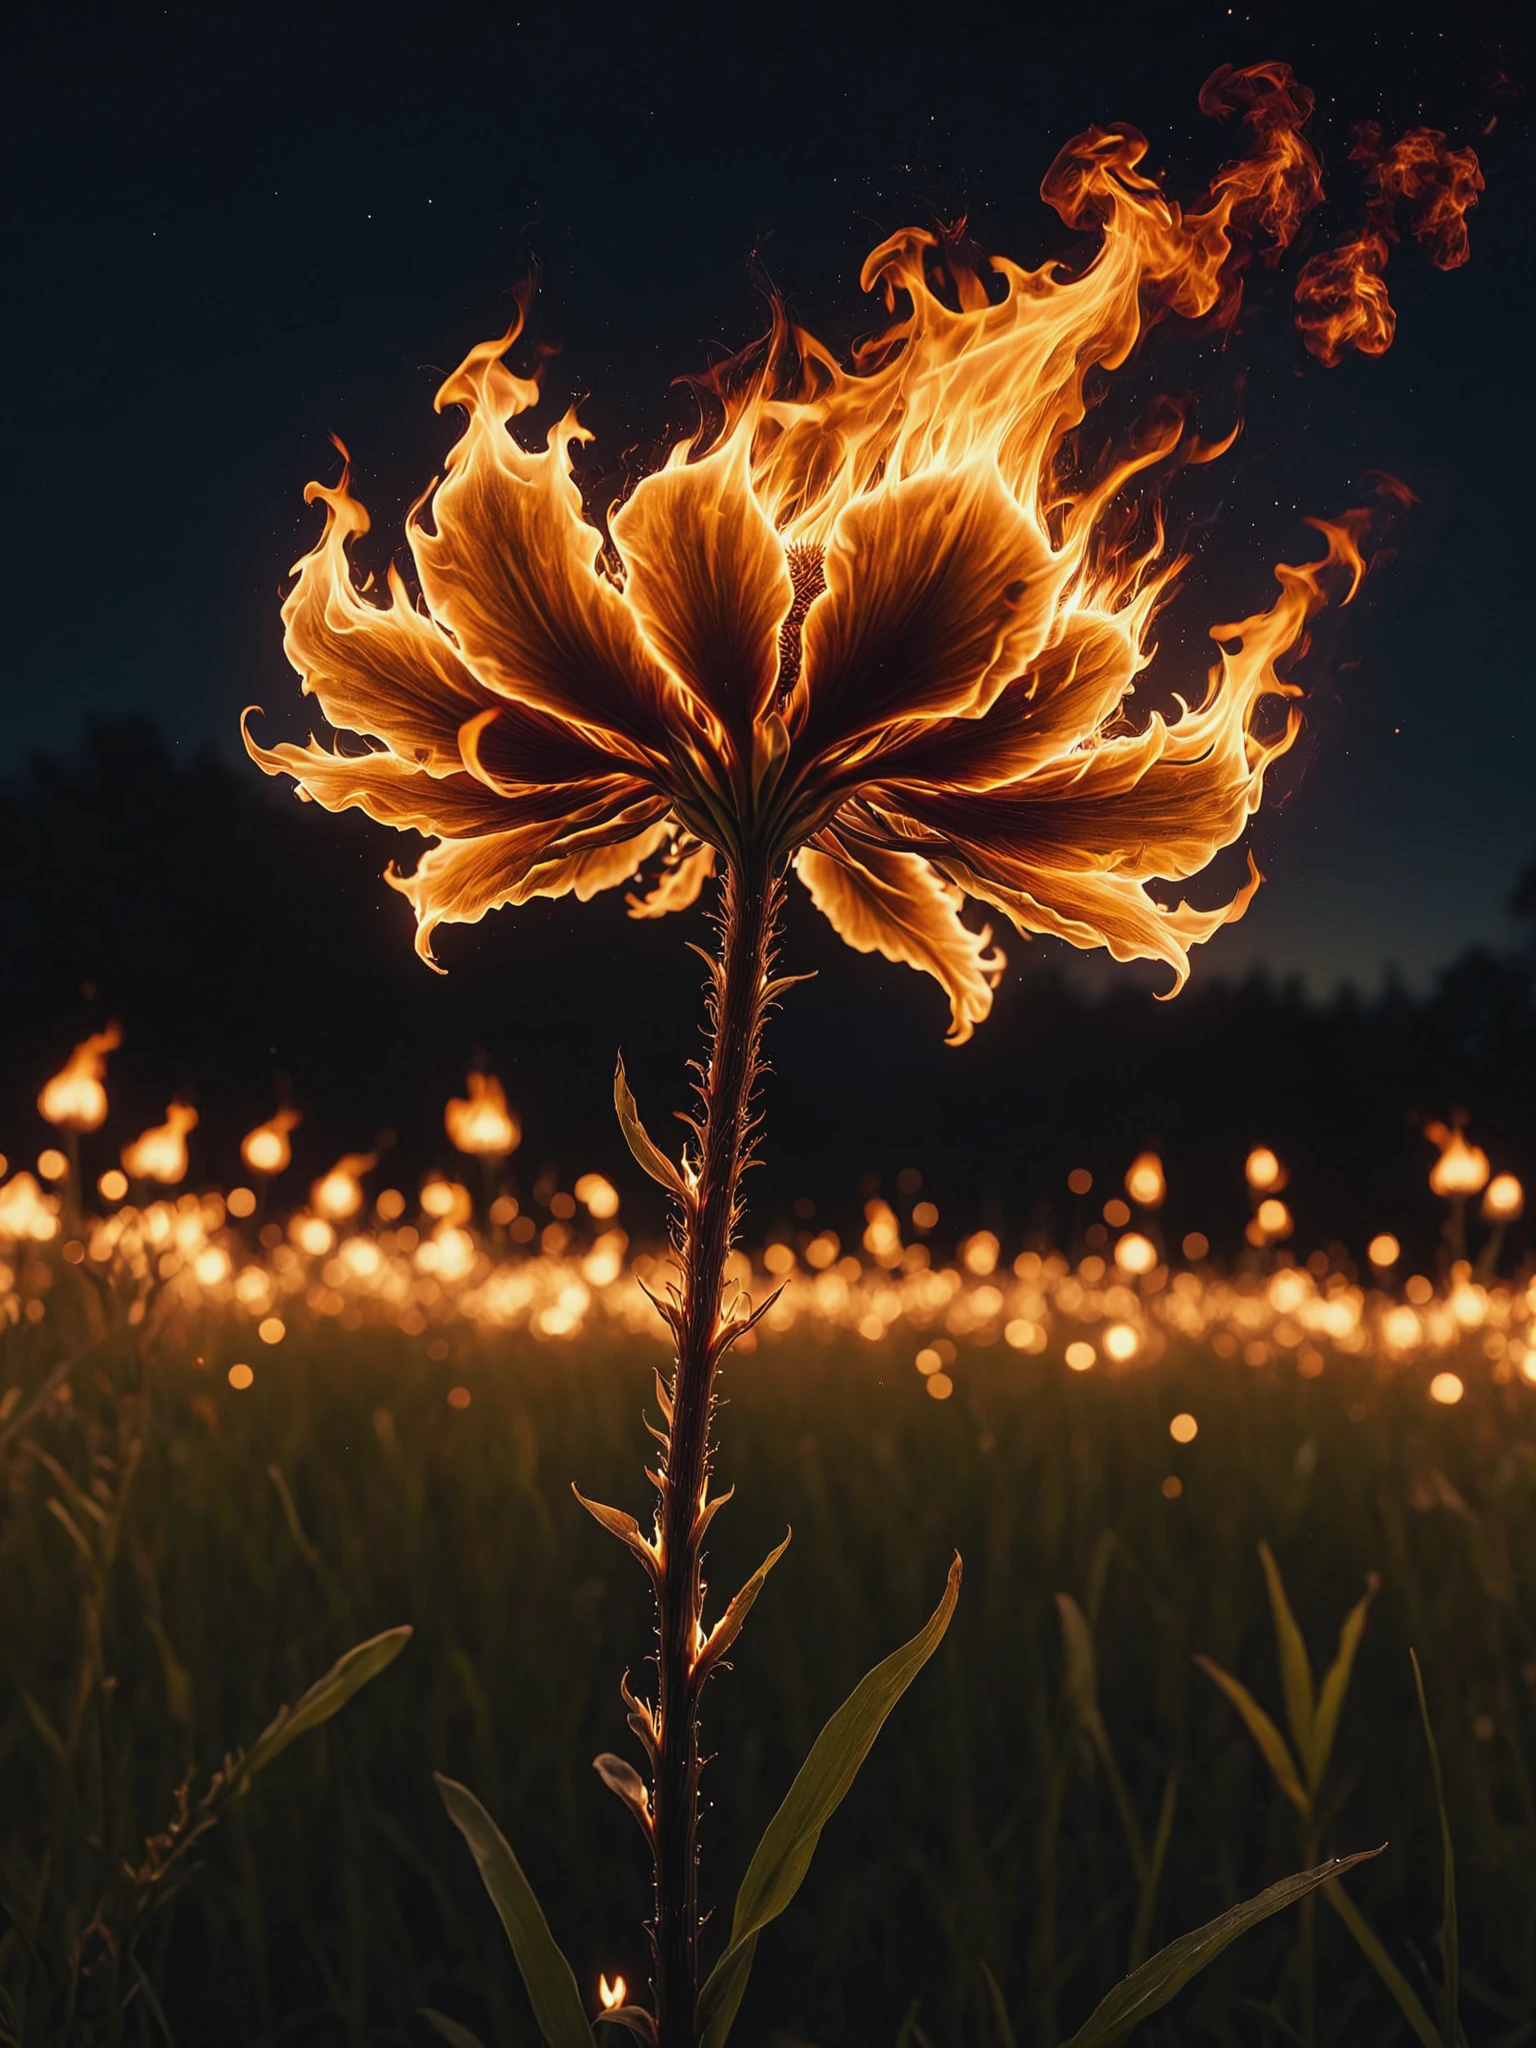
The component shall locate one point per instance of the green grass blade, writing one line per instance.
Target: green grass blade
(1146, 1904)
(1450, 1933)
(455, 2035)
(1330, 1704)
(547, 1977)
(1295, 1665)
(1005, 2034)
(1082, 1685)
(1409, 2004)
(784, 1854)
(327, 1696)
(1264, 1733)
(1150, 1988)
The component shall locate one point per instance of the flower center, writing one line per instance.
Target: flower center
(804, 559)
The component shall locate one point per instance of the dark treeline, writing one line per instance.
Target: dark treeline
(252, 952)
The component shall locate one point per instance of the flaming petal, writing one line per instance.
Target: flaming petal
(1059, 702)
(678, 887)
(895, 904)
(708, 580)
(940, 588)
(410, 799)
(1108, 910)
(381, 670)
(511, 570)
(459, 880)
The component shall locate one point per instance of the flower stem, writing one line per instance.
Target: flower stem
(733, 1063)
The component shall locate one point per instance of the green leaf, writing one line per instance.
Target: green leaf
(648, 1154)
(547, 1977)
(1330, 1703)
(1146, 1904)
(1450, 1937)
(1150, 1988)
(455, 2035)
(1005, 2034)
(1082, 1685)
(1263, 1731)
(1409, 2003)
(1295, 1665)
(784, 1854)
(327, 1696)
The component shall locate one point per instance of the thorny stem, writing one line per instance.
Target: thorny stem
(733, 1063)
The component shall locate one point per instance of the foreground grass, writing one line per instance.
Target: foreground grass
(340, 1494)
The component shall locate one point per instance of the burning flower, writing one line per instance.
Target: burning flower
(160, 1153)
(880, 622)
(483, 1123)
(1461, 1169)
(75, 1097)
(875, 622)
(266, 1150)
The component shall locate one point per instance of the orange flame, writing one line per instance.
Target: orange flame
(339, 1193)
(266, 1150)
(483, 1124)
(160, 1153)
(1461, 1169)
(612, 1995)
(26, 1212)
(880, 620)
(75, 1096)
(1341, 294)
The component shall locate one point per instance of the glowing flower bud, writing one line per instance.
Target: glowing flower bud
(483, 1124)
(75, 1096)
(339, 1193)
(266, 1150)
(26, 1212)
(1503, 1199)
(1461, 1168)
(1145, 1182)
(160, 1153)
(1264, 1171)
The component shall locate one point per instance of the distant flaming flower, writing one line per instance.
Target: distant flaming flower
(1461, 1169)
(483, 1123)
(160, 1153)
(75, 1098)
(1263, 1171)
(1503, 1199)
(266, 1150)
(26, 1213)
(339, 1193)
(612, 1995)
(1145, 1182)
(870, 620)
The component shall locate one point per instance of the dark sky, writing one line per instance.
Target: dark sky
(233, 229)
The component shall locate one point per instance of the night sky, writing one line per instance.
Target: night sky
(233, 230)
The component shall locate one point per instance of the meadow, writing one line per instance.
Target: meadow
(980, 1885)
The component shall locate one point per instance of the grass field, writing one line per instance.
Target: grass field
(265, 1530)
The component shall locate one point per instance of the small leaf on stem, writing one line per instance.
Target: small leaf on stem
(648, 1154)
